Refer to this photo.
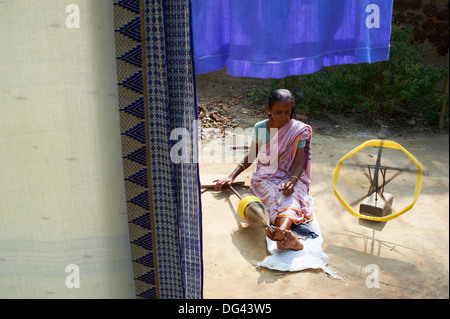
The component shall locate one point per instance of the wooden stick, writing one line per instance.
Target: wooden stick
(444, 104)
(212, 185)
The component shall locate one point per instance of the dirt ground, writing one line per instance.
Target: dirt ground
(411, 251)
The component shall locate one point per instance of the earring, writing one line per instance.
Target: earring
(270, 114)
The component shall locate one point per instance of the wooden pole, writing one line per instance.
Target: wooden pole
(444, 104)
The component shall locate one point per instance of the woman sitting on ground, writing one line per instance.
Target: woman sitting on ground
(282, 176)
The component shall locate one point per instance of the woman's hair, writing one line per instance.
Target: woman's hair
(282, 95)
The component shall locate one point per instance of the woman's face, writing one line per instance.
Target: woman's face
(281, 113)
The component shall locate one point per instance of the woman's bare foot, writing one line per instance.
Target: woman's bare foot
(290, 241)
(276, 235)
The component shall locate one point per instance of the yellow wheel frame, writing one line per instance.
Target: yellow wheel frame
(378, 143)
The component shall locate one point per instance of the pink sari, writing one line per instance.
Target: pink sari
(274, 167)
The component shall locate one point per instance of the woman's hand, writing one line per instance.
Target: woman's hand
(287, 188)
(220, 183)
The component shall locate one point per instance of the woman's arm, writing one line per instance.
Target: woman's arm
(299, 161)
(246, 162)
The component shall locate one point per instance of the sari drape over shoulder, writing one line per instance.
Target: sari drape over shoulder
(275, 166)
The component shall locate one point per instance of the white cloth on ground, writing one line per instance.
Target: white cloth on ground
(310, 257)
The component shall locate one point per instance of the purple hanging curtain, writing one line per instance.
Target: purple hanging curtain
(277, 38)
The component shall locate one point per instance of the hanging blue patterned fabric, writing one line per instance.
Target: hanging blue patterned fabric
(157, 96)
(176, 186)
(277, 38)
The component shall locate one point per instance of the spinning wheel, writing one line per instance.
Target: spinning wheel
(376, 203)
